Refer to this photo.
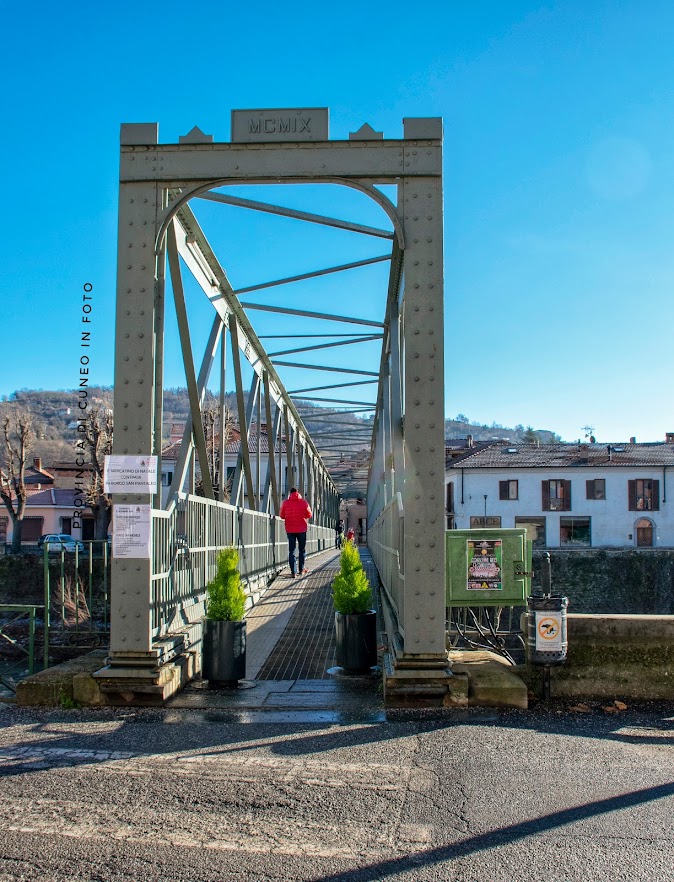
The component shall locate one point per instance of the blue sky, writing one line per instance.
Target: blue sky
(559, 182)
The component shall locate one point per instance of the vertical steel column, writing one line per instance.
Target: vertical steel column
(158, 345)
(300, 465)
(243, 462)
(289, 462)
(420, 210)
(188, 363)
(272, 437)
(135, 392)
(387, 443)
(223, 415)
(258, 448)
(396, 398)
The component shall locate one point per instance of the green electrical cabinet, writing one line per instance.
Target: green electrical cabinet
(488, 567)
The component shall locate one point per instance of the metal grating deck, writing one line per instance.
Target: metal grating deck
(306, 648)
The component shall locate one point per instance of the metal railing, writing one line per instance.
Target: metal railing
(186, 539)
(77, 595)
(385, 542)
(16, 612)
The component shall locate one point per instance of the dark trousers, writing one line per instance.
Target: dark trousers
(293, 540)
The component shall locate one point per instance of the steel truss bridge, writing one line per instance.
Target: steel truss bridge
(158, 602)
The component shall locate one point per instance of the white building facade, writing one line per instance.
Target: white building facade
(567, 495)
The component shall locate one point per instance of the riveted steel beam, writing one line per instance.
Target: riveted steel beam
(327, 345)
(297, 215)
(330, 161)
(312, 275)
(188, 362)
(306, 314)
(324, 367)
(332, 386)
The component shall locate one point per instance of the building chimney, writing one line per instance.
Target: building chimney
(669, 437)
(633, 440)
(37, 463)
(469, 440)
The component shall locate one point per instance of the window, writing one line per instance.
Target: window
(31, 529)
(508, 490)
(595, 489)
(535, 528)
(574, 531)
(3, 530)
(166, 478)
(643, 495)
(644, 533)
(556, 495)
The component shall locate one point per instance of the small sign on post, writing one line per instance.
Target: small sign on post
(132, 531)
(548, 631)
(130, 474)
(280, 124)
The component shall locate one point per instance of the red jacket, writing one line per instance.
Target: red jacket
(295, 512)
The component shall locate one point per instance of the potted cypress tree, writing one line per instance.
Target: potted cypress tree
(355, 620)
(224, 632)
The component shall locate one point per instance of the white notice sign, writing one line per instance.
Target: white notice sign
(130, 474)
(548, 631)
(131, 531)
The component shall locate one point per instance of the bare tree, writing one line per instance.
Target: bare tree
(210, 417)
(98, 441)
(17, 439)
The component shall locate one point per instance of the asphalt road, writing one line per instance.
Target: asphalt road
(476, 796)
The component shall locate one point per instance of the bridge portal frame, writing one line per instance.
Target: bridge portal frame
(410, 458)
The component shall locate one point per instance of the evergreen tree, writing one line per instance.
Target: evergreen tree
(529, 436)
(226, 599)
(351, 592)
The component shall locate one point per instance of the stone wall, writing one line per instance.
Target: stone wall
(612, 581)
(613, 656)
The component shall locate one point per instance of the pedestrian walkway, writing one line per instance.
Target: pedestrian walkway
(290, 654)
(305, 648)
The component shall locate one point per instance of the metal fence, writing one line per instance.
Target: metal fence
(385, 542)
(12, 630)
(186, 539)
(77, 596)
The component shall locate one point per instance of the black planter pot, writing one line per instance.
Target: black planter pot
(223, 652)
(356, 641)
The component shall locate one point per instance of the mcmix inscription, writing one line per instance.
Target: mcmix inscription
(287, 124)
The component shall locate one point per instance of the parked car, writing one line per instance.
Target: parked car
(57, 541)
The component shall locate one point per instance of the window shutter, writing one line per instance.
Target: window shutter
(632, 495)
(546, 495)
(656, 495)
(567, 496)
(502, 489)
(589, 490)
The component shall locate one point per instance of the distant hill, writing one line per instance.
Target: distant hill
(460, 427)
(55, 414)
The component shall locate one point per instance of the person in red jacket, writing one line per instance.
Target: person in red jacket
(296, 513)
